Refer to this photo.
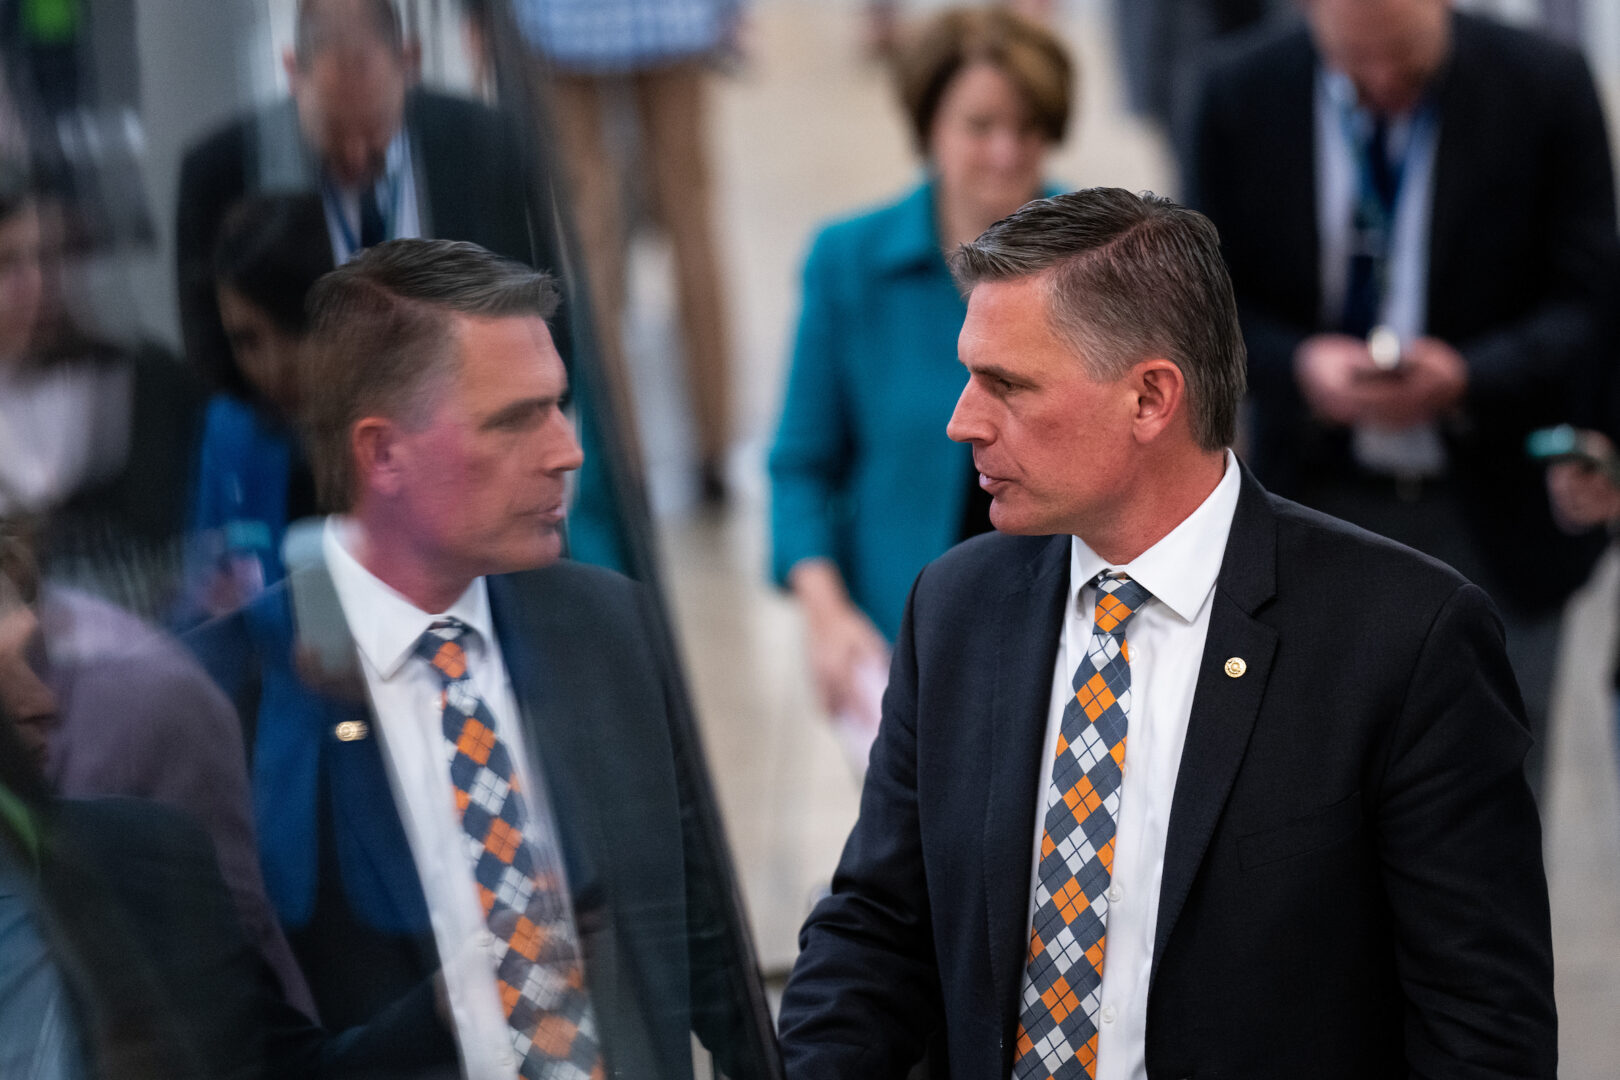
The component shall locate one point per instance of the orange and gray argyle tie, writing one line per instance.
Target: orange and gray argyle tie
(535, 951)
(1057, 1019)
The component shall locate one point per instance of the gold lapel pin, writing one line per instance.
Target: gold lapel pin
(355, 730)
(1235, 667)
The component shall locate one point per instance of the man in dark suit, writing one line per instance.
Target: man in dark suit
(1318, 855)
(1417, 210)
(476, 823)
(384, 158)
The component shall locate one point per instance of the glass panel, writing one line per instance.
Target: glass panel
(399, 792)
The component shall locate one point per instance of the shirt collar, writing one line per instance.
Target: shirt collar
(912, 240)
(386, 626)
(1180, 570)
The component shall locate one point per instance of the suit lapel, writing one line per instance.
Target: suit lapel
(1028, 623)
(555, 716)
(1224, 707)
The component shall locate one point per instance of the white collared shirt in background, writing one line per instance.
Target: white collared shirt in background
(405, 697)
(1409, 451)
(1167, 643)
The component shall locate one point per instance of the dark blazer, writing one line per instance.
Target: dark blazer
(1352, 884)
(1521, 265)
(472, 181)
(651, 895)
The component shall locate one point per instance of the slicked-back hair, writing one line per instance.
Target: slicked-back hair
(1128, 277)
(313, 32)
(382, 340)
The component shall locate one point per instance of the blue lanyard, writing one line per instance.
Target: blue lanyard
(1420, 128)
(351, 242)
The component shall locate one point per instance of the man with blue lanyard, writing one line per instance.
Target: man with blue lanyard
(384, 157)
(1417, 207)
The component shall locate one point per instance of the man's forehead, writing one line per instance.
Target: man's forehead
(488, 343)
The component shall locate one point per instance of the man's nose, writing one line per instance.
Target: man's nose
(563, 452)
(967, 421)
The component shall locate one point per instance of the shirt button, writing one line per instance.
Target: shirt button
(1114, 894)
(486, 940)
(1108, 1014)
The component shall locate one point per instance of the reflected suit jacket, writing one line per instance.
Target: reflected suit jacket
(595, 702)
(1352, 882)
(472, 180)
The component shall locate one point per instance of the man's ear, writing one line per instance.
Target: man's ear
(289, 64)
(1161, 397)
(379, 454)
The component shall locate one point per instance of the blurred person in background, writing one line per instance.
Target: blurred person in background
(93, 436)
(252, 476)
(865, 486)
(385, 157)
(1162, 44)
(64, 413)
(1417, 206)
(122, 709)
(436, 684)
(122, 953)
(655, 58)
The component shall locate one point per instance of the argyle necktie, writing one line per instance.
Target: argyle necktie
(1057, 1019)
(534, 951)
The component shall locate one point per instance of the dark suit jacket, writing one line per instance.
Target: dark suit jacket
(1521, 264)
(1352, 884)
(651, 894)
(472, 184)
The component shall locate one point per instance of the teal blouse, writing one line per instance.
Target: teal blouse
(861, 471)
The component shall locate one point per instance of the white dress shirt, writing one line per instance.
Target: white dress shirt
(1415, 450)
(405, 698)
(1166, 636)
(396, 198)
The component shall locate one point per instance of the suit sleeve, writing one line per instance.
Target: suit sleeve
(864, 995)
(1541, 352)
(1460, 847)
(810, 458)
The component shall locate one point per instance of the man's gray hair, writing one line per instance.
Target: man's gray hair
(1128, 277)
(381, 340)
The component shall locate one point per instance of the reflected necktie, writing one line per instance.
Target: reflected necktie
(535, 952)
(373, 227)
(1057, 1019)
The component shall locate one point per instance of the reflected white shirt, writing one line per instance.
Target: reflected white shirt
(405, 703)
(396, 198)
(1167, 642)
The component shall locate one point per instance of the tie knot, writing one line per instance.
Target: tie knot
(1118, 598)
(440, 646)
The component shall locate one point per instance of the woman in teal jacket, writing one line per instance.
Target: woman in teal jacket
(865, 486)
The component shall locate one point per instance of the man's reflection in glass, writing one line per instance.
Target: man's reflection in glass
(386, 158)
(472, 819)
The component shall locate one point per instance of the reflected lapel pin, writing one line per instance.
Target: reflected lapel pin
(1236, 666)
(355, 730)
